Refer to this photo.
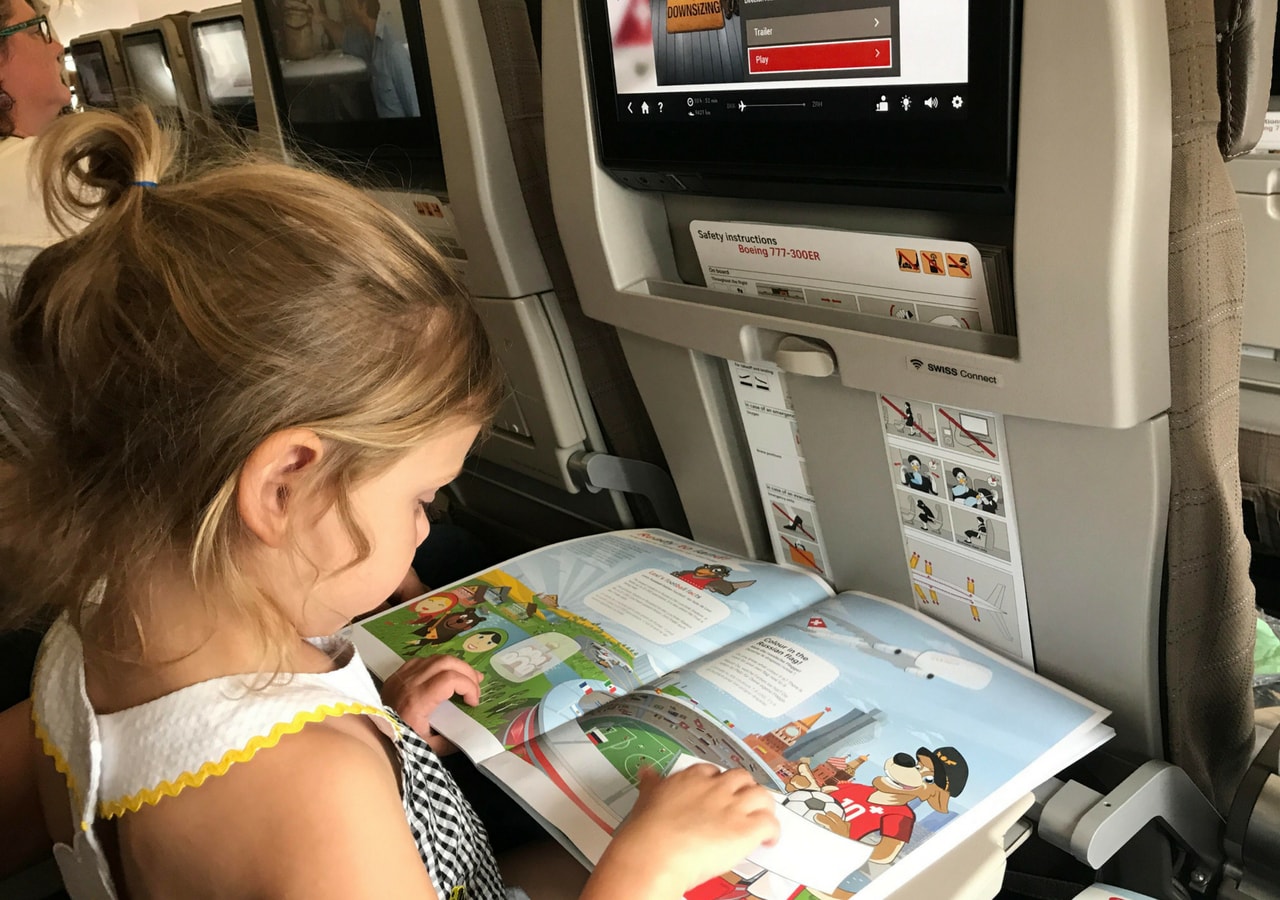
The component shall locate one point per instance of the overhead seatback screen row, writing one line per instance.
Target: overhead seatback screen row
(740, 98)
(353, 90)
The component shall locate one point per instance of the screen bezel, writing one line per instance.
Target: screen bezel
(95, 47)
(379, 153)
(736, 158)
(245, 114)
(137, 37)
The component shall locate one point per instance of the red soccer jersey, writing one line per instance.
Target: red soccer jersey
(698, 581)
(865, 817)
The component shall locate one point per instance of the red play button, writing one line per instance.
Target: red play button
(828, 57)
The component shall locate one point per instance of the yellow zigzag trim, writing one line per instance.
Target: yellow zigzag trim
(50, 750)
(111, 809)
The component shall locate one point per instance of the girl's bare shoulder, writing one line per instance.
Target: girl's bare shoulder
(317, 815)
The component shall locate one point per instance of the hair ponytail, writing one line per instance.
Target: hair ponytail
(95, 162)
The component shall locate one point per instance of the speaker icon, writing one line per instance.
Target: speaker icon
(931, 102)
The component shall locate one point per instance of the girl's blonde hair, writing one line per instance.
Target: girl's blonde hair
(154, 350)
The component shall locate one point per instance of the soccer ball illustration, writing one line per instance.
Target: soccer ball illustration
(808, 803)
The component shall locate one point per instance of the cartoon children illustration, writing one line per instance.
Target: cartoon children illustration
(914, 477)
(931, 776)
(442, 629)
(712, 578)
(434, 606)
(484, 641)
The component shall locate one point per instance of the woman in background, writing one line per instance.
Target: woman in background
(32, 95)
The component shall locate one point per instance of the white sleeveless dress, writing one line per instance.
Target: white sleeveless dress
(116, 763)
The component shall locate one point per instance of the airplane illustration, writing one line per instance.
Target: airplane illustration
(921, 663)
(929, 587)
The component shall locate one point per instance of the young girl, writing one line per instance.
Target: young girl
(240, 387)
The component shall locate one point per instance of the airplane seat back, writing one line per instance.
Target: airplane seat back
(513, 47)
(1113, 379)
(572, 451)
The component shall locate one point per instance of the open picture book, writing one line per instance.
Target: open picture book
(887, 738)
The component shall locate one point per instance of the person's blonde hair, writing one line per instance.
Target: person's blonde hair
(154, 350)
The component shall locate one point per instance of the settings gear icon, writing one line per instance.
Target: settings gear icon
(957, 102)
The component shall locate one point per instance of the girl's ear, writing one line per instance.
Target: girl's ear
(267, 489)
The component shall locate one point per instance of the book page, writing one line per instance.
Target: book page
(559, 631)
(887, 738)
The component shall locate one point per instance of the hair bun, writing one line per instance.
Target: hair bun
(91, 162)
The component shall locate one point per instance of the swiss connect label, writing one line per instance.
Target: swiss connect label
(947, 370)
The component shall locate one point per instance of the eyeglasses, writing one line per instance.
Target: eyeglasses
(41, 22)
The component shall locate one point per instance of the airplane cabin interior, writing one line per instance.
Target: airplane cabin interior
(967, 304)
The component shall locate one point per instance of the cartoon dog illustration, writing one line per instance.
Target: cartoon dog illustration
(712, 578)
(931, 776)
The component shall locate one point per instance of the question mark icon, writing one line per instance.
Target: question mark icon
(659, 106)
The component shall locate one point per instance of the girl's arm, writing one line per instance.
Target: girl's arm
(24, 838)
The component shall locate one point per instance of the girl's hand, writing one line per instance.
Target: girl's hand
(689, 827)
(419, 686)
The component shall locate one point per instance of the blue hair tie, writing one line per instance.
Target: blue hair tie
(145, 184)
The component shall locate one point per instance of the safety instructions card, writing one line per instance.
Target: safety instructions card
(770, 427)
(955, 507)
(917, 279)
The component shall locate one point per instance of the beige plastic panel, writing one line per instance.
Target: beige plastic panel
(1257, 182)
(112, 51)
(524, 342)
(270, 134)
(483, 188)
(177, 46)
(1091, 230)
(694, 414)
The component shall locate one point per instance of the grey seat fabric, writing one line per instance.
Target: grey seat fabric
(1209, 611)
(618, 406)
(1245, 33)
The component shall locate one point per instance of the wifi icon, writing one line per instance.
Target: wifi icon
(918, 363)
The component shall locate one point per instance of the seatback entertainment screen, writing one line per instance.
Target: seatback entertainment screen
(222, 53)
(94, 76)
(920, 91)
(148, 63)
(352, 84)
